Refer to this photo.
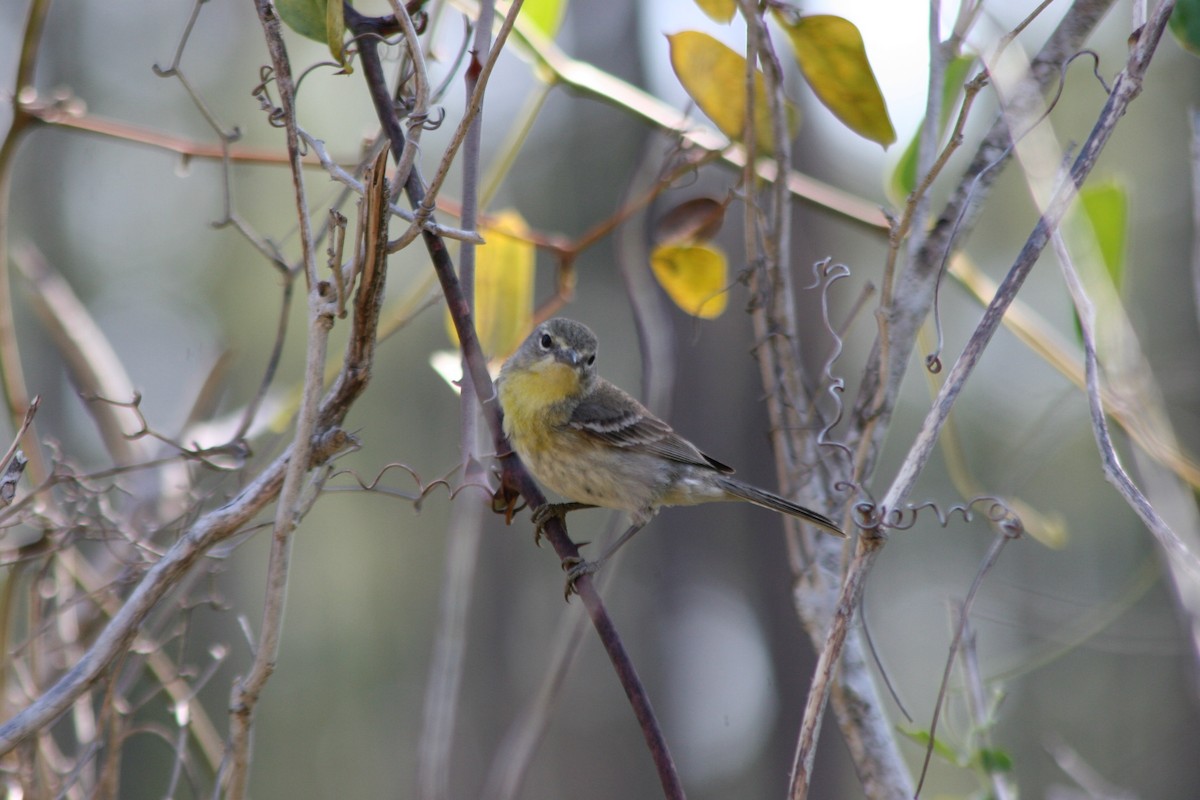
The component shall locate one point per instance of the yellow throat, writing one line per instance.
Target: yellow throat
(529, 396)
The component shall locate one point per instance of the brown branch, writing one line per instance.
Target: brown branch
(218, 524)
(64, 115)
(12, 370)
(514, 473)
(1126, 87)
(288, 509)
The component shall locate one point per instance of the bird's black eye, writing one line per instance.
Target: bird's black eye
(591, 359)
(546, 341)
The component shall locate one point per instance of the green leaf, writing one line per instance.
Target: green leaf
(721, 11)
(1106, 207)
(945, 751)
(319, 20)
(305, 17)
(830, 52)
(992, 760)
(1098, 223)
(714, 76)
(546, 16)
(694, 276)
(904, 177)
(1185, 25)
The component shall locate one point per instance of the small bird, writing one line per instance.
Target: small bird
(595, 445)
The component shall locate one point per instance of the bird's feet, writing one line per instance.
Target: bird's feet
(548, 511)
(576, 568)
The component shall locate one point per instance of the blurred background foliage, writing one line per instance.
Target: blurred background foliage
(1083, 641)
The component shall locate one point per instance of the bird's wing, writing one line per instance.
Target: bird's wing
(611, 415)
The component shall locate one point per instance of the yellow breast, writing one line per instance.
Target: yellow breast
(534, 401)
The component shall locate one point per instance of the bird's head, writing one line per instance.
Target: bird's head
(561, 353)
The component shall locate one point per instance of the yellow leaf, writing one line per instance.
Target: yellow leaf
(545, 15)
(714, 75)
(694, 276)
(833, 60)
(335, 32)
(504, 269)
(718, 10)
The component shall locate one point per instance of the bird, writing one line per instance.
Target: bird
(591, 442)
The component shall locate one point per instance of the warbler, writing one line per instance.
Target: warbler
(595, 445)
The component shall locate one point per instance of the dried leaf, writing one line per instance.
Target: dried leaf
(695, 220)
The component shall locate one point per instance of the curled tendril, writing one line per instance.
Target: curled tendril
(266, 76)
(394, 41)
(933, 361)
(423, 489)
(338, 68)
(825, 274)
(869, 516)
(429, 121)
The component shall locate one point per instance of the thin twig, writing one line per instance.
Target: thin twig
(1002, 537)
(1094, 785)
(321, 312)
(1184, 564)
(474, 106)
(116, 636)
(67, 116)
(462, 548)
(514, 474)
(420, 109)
(350, 182)
(12, 369)
(915, 286)
(1126, 87)
(794, 439)
(95, 368)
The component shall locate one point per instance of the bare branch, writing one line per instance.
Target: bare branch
(513, 473)
(914, 287)
(1126, 87)
(321, 312)
(446, 666)
(95, 367)
(1184, 563)
(115, 638)
(216, 526)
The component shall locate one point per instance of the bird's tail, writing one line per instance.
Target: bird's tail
(761, 497)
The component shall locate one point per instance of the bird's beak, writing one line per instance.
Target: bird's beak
(571, 357)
